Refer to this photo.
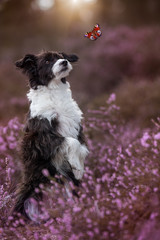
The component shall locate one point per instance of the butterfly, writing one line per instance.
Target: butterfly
(95, 33)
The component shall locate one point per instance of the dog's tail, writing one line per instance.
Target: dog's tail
(29, 196)
(27, 202)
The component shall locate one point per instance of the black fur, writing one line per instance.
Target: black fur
(71, 57)
(63, 80)
(29, 66)
(81, 137)
(39, 146)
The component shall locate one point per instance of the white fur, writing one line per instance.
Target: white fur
(76, 153)
(57, 67)
(55, 101)
(34, 212)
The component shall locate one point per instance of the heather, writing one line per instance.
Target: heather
(119, 196)
(139, 101)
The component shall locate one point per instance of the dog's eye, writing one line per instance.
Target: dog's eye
(47, 62)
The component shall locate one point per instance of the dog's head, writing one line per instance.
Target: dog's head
(45, 67)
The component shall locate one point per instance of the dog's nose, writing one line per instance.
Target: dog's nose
(64, 63)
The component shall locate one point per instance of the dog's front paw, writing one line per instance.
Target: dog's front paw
(76, 153)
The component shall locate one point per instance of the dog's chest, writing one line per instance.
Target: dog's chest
(56, 102)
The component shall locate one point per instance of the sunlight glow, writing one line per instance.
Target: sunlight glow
(81, 1)
(90, 0)
(75, 2)
(45, 4)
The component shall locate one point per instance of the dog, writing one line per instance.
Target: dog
(53, 135)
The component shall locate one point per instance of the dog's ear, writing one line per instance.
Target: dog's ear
(27, 64)
(71, 57)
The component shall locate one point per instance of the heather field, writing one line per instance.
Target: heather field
(119, 196)
(116, 83)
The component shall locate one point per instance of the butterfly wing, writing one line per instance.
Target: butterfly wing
(97, 30)
(91, 36)
(86, 35)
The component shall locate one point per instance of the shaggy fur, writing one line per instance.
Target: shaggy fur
(53, 136)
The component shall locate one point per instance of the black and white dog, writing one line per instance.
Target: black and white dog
(53, 137)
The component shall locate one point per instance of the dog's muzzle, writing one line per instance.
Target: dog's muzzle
(64, 63)
(61, 68)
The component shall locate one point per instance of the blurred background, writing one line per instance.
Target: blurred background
(124, 60)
